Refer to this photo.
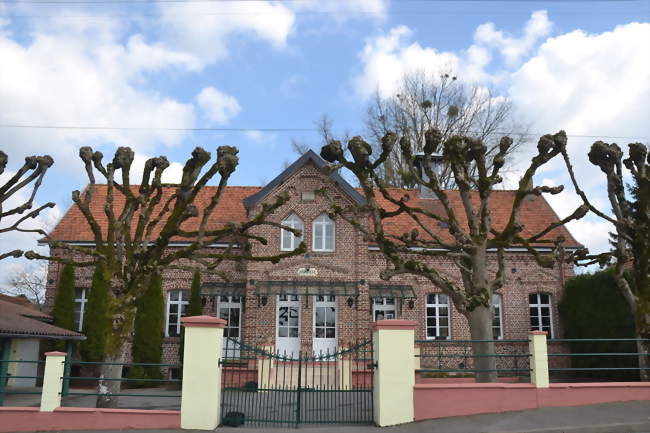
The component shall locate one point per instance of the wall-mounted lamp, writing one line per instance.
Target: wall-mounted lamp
(350, 302)
(264, 300)
(411, 304)
(513, 270)
(204, 300)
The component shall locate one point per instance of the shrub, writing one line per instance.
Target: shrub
(97, 321)
(148, 338)
(63, 309)
(593, 307)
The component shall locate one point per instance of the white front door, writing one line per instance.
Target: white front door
(230, 311)
(288, 326)
(324, 324)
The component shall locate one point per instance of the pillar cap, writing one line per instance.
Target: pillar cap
(56, 354)
(203, 322)
(537, 333)
(394, 324)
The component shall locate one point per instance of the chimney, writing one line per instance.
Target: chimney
(437, 165)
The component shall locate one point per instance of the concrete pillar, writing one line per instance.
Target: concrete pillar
(538, 359)
(393, 378)
(52, 381)
(344, 368)
(201, 392)
(264, 366)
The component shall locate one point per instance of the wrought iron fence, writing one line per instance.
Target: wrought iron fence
(264, 387)
(455, 358)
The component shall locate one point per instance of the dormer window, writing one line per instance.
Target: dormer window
(289, 241)
(323, 234)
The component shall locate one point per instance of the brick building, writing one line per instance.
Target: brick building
(327, 298)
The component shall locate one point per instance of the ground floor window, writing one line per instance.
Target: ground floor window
(177, 301)
(437, 316)
(497, 319)
(81, 298)
(540, 312)
(384, 308)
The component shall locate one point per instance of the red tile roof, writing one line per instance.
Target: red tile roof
(16, 320)
(535, 213)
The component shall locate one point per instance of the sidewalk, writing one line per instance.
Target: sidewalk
(602, 418)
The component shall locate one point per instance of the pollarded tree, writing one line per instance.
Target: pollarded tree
(33, 170)
(630, 216)
(142, 220)
(470, 233)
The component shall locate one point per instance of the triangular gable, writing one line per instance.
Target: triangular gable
(319, 162)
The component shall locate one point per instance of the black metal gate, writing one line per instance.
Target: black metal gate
(265, 388)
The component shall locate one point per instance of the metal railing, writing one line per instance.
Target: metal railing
(597, 358)
(67, 377)
(454, 358)
(5, 377)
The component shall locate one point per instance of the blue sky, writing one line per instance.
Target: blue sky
(582, 66)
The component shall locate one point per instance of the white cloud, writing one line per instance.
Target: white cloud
(388, 58)
(588, 84)
(218, 108)
(72, 77)
(203, 29)
(512, 48)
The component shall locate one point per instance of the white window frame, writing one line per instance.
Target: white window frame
(383, 306)
(295, 222)
(82, 307)
(497, 308)
(437, 305)
(184, 300)
(538, 305)
(320, 224)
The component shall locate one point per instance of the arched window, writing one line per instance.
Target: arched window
(540, 312)
(177, 301)
(323, 234)
(289, 241)
(497, 319)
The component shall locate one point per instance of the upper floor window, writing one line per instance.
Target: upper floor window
(497, 319)
(289, 241)
(437, 316)
(80, 300)
(177, 301)
(540, 312)
(323, 234)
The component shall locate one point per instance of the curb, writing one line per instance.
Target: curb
(595, 428)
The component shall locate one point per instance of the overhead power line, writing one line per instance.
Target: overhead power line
(281, 129)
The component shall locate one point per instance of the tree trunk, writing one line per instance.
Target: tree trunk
(480, 326)
(108, 388)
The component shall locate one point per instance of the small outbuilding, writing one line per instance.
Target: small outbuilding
(22, 328)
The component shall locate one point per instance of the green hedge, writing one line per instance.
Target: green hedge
(593, 307)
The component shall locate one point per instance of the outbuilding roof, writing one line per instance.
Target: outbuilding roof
(22, 322)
